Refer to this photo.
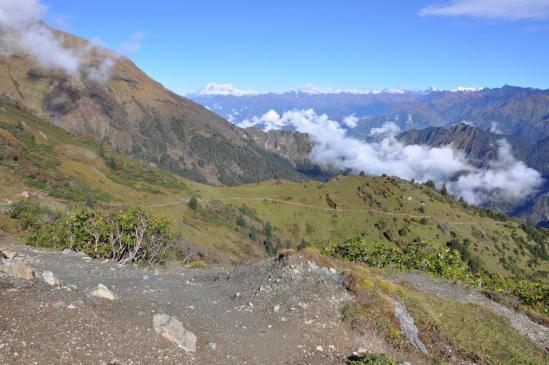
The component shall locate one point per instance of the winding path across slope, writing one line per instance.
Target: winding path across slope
(344, 210)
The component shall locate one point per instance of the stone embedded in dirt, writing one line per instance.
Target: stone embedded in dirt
(171, 329)
(407, 326)
(212, 345)
(319, 348)
(17, 269)
(7, 255)
(276, 308)
(103, 292)
(50, 279)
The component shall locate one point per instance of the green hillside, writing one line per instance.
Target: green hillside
(60, 170)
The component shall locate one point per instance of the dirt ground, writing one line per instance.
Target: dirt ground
(273, 312)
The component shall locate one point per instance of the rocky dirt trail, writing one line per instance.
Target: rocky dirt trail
(283, 311)
(538, 333)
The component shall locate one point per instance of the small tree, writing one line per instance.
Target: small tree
(443, 190)
(268, 231)
(193, 203)
(270, 249)
(241, 222)
(253, 234)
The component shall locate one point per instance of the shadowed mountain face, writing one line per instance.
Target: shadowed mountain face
(478, 145)
(138, 115)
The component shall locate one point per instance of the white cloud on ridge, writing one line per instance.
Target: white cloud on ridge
(505, 178)
(510, 10)
(22, 31)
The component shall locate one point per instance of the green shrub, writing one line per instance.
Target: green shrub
(241, 222)
(30, 214)
(268, 230)
(446, 262)
(253, 234)
(193, 203)
(130, 235)
(270, 249)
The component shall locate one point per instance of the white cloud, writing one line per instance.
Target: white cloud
(491, 9)
(350, 121)
(505, 178)
(224, 89)
(22, 31)
(494, 128)
(133, 44)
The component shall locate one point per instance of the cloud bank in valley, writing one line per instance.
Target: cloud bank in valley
(22, 31)
(505, 178)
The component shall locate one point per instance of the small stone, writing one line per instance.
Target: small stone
(276, 308)
(103, 292)
(212, 345)
(319, 348)
(331, 348)
(50, 279)
(145, 277)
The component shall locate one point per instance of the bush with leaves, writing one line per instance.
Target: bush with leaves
(193, 203)
(30, 214)
(445, 262)
(130, 235)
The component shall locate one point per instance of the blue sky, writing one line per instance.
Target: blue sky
(372, 44)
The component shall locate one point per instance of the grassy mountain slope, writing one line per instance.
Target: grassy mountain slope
(60, 170)
(136, 114)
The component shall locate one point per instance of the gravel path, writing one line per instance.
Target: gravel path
(273, 312)
(536, 332)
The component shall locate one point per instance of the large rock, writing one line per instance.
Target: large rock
(171, 329)
(17, 269)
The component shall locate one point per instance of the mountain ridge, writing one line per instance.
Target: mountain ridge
(131, 112)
